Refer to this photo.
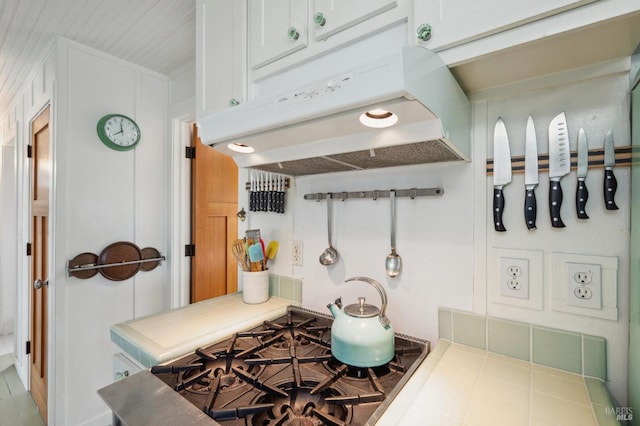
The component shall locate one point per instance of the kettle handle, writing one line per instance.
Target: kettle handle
(383, 295)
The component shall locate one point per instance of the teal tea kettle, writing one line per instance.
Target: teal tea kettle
(361, 334)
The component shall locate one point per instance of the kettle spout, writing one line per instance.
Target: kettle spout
(335, 307)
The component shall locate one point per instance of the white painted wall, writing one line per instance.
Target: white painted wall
(447, 243)
(103, 196)
(596, 103)
(434, 238)
(99, 196)
(8, 256)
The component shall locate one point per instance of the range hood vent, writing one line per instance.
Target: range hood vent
(316, 128)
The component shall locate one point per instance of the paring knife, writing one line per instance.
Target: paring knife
(530, 175)
(501, 171)
(582, 194)
(559, 165)
(610, 182)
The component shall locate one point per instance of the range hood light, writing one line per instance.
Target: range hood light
(378, 118)
(240, 147)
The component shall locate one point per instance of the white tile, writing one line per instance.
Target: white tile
(509, 372)
(501, 392)
(560, 387)
(485, 412)
(442, 399)
(559, 411)
(469, 359)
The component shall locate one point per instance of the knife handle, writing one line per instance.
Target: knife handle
(555, 202)
(582, 195)
(610, 187)
(498, 208)
(530, 209)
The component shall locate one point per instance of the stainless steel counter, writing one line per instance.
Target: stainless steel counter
(143, 399)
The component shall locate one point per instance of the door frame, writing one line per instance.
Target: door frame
(180, 212)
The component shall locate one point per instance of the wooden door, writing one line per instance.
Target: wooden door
(40, 182)
(214, 223)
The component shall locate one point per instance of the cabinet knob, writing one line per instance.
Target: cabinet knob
(293, 33)
(233, 102)
(319, 20)
(121, 375)
(424, 32)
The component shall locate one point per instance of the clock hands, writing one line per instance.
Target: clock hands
(121, 130)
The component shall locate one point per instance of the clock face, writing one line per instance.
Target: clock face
(118, 132)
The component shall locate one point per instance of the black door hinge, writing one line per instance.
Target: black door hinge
(190, 152)
(29, 151)
(190, 250)
(28, 249)
(28, 347)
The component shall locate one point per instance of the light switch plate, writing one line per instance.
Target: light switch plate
(595, 294)
(527, 292)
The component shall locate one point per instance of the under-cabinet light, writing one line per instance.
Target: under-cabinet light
(378, 118)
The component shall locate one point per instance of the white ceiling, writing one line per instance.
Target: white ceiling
(156, 34)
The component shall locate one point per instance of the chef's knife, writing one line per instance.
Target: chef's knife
(582, 194)
(610, 182)
(501, 171)
(559, 165)
(530, 175)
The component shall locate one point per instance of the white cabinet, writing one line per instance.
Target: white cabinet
(276, 28)
(330, 17)
(220, 54)
(283, 33)
(454, 22)
(124, 366)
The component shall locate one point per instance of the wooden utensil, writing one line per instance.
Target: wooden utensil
(240, 254)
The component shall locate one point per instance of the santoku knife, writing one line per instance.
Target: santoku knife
(530, 175)
(501, 171)
(610, 182)
(582, 194)
(559, 165)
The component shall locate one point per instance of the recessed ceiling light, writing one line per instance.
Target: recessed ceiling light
(240, 147)
(378, 118)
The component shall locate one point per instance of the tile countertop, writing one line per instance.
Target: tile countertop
(455, 385)
(462, 385)
(158, 338)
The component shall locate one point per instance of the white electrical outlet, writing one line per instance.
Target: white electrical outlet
(297, 253)
(584, 285)
(514, 277)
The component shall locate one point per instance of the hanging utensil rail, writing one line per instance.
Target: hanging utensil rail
(375, 194)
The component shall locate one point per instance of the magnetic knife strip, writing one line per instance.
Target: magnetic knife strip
(625, 157)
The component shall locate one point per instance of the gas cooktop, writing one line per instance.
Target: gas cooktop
(282, 373)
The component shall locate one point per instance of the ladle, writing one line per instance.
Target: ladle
(393, 263)
(330, 255)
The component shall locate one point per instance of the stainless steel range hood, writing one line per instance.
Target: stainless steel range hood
(316, 128)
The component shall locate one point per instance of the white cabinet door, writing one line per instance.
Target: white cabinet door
(332, 16)
(455, 22)
(220, 54)
(277, 28)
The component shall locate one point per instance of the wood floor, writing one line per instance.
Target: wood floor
(16, 406)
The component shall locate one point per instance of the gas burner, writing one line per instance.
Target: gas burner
(304, 405)
(282, 372)
(337, 367)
